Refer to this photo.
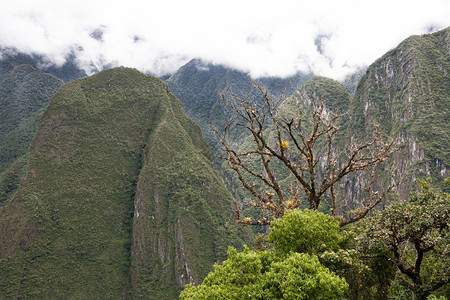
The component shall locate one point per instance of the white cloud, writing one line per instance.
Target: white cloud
(264, 37)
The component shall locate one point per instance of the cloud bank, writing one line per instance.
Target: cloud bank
(261, 37)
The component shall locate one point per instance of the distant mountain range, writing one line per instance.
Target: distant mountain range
(199, 86)
(114, 193)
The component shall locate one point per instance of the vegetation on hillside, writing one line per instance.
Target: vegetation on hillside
(24, 94)
(120, 196)
(407, 91)
(413, 237)
(399, 253)
(292, 153)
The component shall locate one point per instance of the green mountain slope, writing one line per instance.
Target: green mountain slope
(120, 197)
(198, 85)
(24, 94)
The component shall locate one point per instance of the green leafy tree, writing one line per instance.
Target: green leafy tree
(285, 272)
(310, 231)
(307, 231)
(268, 275)
(414, 237)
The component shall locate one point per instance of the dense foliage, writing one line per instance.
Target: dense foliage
(414, 237)
(282, 273)
(268, 275)
(24, 94)
(307, 231)
(26, 87)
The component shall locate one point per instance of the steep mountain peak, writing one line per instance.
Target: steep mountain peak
(120, 196)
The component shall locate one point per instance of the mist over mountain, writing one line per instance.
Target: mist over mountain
(119, 195)
(68, 71)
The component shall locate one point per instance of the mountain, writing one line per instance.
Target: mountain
(198, 85)
(27, 82)
(68, 71)
(24, 94)
(120, 197)
(407, 92)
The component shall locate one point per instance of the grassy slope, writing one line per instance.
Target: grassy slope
(68, 230)
(181, 210)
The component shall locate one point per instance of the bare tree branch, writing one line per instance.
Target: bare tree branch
(306, 147)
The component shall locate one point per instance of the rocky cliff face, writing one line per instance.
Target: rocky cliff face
(120, 197)
(407, 92)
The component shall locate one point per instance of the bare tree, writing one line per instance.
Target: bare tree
(305, 147)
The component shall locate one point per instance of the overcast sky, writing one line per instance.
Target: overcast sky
(261, 37)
